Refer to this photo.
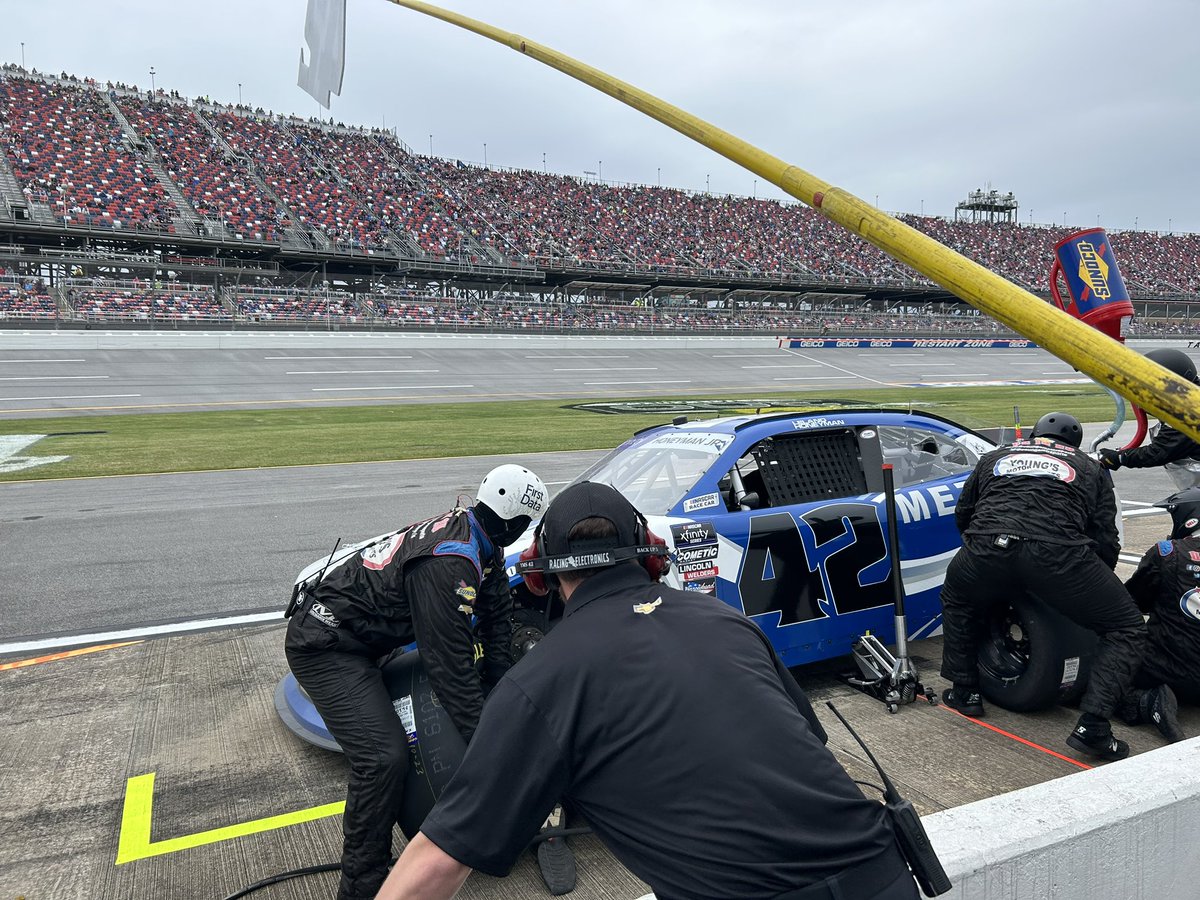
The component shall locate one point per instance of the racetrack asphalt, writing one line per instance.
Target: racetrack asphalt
(53, 373)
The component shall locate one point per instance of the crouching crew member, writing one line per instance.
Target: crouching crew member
(1166, 586)
(422, 583)
(668, 721)
(1039, 517)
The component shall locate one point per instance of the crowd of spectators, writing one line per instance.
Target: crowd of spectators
(25, 298)
(140, 301)
(67, 150)
(363, 190)
(215, 185)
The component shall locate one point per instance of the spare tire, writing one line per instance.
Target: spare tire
(1033, 657)
(435, 748)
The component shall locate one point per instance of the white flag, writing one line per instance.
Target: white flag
(325, 33)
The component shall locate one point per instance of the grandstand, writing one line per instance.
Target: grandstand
(126, 206)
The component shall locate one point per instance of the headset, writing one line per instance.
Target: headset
(539, 564)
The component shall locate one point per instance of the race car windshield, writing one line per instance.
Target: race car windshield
(655, 475)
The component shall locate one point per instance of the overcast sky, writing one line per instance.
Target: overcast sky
(1085, 111)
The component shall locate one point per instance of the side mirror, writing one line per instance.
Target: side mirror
(750, 500)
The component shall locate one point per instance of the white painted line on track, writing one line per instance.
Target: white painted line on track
(51, 377)
(1072, 372)
(817, 378)
(1138, 513)
(404, 387)
(104, 637)
(745, 356)
(572, 356)
(76, 397)
(613, 369)
(836, 368)
(41, 360)
(371, 372)
(337, 357)
(1135, 503)
(922, 365)
(795, 366)
(594, 383)
(1128, 558)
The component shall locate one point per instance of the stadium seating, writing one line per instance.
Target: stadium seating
(25, 298)
(216, 186)
(363, 191)
(65, 146)
(141, 302)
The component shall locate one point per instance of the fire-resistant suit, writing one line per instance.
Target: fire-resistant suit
(1166, 586)
(1039, 517)
(422, 583)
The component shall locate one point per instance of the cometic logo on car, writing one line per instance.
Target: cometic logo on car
(1035, 465)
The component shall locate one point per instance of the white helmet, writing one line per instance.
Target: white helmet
(512, 491)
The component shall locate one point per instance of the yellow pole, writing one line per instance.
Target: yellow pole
(1109, 362)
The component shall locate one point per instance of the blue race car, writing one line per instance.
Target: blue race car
(783, 517)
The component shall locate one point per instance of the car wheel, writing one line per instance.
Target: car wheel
(1033, 657)
(529, 627)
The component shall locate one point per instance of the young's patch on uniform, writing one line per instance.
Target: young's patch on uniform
(705, 502)
(1166, 548)
(1036, 465)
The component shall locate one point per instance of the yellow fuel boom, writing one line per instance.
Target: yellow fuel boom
(1110, 363)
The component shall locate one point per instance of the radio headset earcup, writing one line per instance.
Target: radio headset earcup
(535, 580)
(657, 566)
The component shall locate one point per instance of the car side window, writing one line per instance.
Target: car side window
(796, 468)
(918, 454)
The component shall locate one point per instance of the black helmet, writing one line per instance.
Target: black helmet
(1184, 508)
(1175, 360)
(1059, 426)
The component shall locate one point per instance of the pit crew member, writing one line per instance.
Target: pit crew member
(421, 583)
(667, 720)
(1039, 517)
(1166, 586)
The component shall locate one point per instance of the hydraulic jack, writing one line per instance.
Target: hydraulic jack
(891, 679)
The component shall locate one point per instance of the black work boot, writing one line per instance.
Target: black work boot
(1093, 736)
(967, 700)
(1159, 708)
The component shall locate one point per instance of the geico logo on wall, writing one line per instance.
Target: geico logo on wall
(739, 405)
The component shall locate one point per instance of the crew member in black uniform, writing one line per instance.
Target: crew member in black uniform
(669, 723)
(1169, 445)
(1039, 517)
(1166, 586)
(421, 583)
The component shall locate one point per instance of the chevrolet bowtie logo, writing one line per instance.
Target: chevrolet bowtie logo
(646, 608)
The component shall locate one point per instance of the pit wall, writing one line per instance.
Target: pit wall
(1125, 830)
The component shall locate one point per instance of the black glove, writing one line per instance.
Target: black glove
(1111, 459)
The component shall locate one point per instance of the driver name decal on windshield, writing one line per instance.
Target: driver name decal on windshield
(709, 442)
(1034, 464)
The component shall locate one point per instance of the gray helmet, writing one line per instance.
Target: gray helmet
(1184, 508)
(1059, 426)
(1175, 360)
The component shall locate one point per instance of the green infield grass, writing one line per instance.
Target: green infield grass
(181, 442)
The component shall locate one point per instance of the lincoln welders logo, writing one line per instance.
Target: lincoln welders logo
(1093, 270)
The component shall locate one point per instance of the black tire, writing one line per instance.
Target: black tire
(1033, 657)
(529, 627)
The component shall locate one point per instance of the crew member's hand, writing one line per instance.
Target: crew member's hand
(1111, 459)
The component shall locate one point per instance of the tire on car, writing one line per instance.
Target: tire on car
(1032, 657)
